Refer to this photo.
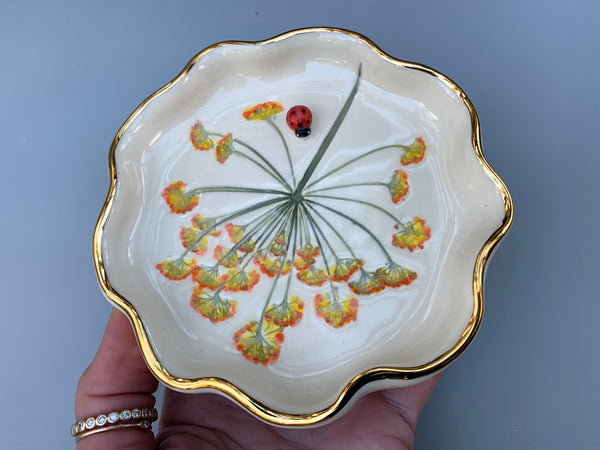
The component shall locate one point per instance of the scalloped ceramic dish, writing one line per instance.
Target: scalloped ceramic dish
(298, 221)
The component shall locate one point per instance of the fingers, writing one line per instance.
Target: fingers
(116, 379)
(410, 401)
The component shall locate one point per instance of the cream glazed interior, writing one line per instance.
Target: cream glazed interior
(284, 270)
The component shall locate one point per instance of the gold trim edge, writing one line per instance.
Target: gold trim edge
(361, 380)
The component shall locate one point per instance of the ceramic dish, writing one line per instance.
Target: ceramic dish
(297, 221)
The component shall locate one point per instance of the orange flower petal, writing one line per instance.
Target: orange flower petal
(207, 277)
(236, 280)
(335, 313)
(286, 313)
(395, 275)
(224, 148)
(225, 257)
(262, 111)
(413, 153)
(177, 269)
(192, 239)
(200, 138)
(312, 276)
(398, 186)
(261, 346)
(412, 235)
(213, 307)
(178, 200)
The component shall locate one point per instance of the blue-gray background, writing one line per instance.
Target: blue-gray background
(71, 72)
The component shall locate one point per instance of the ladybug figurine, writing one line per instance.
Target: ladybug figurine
(299, 119)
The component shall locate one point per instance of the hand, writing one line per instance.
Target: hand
(118, 379)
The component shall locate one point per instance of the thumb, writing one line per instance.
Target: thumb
(117, 379)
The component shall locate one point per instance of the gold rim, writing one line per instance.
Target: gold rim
(380, 373)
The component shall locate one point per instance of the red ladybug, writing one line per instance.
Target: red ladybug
(299, 119)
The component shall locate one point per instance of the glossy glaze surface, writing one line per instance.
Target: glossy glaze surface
(390, 176)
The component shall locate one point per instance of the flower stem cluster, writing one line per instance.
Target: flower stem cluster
(289, 238)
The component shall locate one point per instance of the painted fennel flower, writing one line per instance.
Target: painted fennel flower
(263, 111)
(336, 313)
(200, 138)
(290, 237)
(287, 313)
(398, 186)
(178, 199)
(366, 284)
(236, 235)
(224, 148)
(413, 153)
(272, 266)
(212, 306)
(259, 342)
(177, 269)
(207, 277)
(239, 280)
(191, 240)
(343, 269)
(412, 235)
(203, 224)
(395, 275)
(225, 257)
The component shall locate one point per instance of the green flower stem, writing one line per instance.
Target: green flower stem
(304, 232)
(231, 216)
(276, 176)
(314, 228)
(265, 233)
(287, 150)
(277, 276)
(372, 205)
(341, 186)
(248, 190)
(266, 225)
(295, 241)
(265, 160)
(358, 224)
(286, 294)
(275, 173)
(268, 234)
(337, 233)
(273, 213)
(353, 160)
(329, 137)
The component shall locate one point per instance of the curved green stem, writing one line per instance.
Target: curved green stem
(372, 205)
(276, 176)
(329, 137)
(263, 159)
(337, 233)
(305, 233)
(269, 216)
(314, 228)
(341, 186)
(358, 224)
(287, 150)
(292, 225)
(249, 190)
(269, 234)
(273, 172)
(233, 215)
(353, 160)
